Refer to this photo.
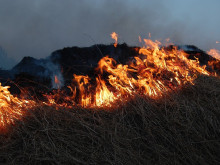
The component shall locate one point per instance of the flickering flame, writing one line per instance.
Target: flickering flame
(215, 53)
(57, 82)
(154, 72)
(103, 96)
(115, 37)
(11, 108)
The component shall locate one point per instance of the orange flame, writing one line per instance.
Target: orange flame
(154, 72)
(57, 81)
(11, 108)
(115, 37)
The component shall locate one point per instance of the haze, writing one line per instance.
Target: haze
(36, 28)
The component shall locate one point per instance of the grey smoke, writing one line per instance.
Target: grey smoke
(5, 61)
(40, 68)
(36, 28)
(52, 71)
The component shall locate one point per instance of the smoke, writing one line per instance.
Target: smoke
(55, 75)
(36, 28)
(53, 71)
(5, 61)
(42, 69)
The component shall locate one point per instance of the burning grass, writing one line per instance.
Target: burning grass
(151, 110)
(180, 128)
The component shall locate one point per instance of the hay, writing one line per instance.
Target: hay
(181, 128)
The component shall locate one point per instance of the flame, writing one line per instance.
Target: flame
(115, 37)
(153, 72)
(215, 53)
(57, 82)
(103, 96)
(217, 42)
(11, 108)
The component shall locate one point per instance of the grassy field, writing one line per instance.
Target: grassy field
(180, 128)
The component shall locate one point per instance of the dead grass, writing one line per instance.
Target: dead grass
(182, 128)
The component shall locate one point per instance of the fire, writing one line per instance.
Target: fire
(153, 72)
(84, 88)
(84, 95)
(57, 82)
(103, 96)
(215, 53)
(11, 108)
(115, 37)
(217, 42)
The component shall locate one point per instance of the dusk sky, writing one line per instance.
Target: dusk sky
(38, 27)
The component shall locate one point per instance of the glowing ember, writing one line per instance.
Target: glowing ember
(115, 37)
(215, 53)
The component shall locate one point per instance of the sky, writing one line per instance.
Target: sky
(37, 28)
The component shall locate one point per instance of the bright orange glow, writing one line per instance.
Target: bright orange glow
(154, 72)
(214, 53)
(11, 108)
(115, 37)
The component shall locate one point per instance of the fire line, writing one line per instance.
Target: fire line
(153, 72)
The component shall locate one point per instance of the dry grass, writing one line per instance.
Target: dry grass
(182, 128)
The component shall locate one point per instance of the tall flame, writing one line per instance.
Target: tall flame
(115, 37)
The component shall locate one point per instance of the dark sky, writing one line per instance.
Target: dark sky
(38, 27)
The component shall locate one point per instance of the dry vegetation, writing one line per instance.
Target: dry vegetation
(182, 128)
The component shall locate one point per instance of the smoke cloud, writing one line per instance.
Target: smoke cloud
(36, 28)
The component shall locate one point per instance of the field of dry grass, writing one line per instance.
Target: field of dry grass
(181, 128)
